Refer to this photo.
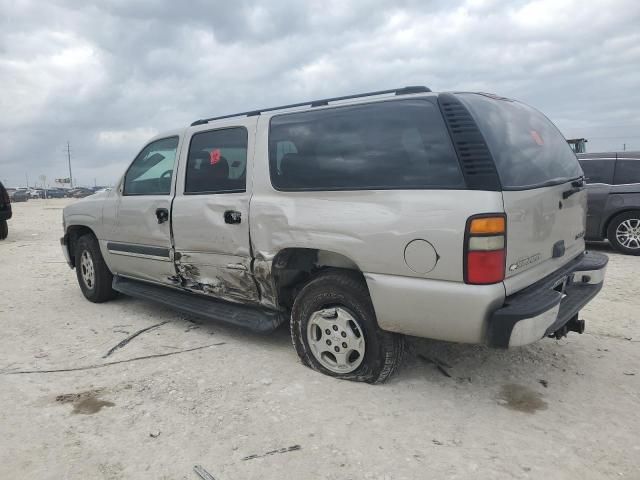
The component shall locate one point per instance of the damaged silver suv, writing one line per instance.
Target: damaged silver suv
(358, 219)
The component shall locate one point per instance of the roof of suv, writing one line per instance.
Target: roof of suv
(609, 155)
(323, 102)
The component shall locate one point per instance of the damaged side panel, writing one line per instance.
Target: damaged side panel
(222, 276)
(263, 276)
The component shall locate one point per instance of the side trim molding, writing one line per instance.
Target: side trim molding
(140, 251)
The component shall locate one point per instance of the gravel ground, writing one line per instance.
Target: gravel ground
(243, 407)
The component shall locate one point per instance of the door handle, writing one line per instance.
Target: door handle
(232, 217)
(162, 214)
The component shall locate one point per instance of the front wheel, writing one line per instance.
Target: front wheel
(93, 274)
(624, 232)
(334, 330)
(4, 229)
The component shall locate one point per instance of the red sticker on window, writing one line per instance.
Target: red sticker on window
(214, 156)
(536, 137)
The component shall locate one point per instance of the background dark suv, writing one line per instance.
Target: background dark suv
(5, 212)
(613, 185)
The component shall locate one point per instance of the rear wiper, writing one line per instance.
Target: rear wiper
(577, 186)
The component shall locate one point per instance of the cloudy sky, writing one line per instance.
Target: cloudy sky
(108, 75)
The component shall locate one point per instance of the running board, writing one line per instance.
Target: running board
(255, 319)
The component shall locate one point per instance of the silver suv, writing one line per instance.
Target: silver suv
(358, 219)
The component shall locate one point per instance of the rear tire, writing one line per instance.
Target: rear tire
(624, 232)
(4, 229)
(335, 331)
(94, 276)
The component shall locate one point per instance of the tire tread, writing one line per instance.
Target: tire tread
(103, 277)
(349, 284)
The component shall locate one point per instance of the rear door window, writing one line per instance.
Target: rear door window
(217, 161)
(627, 171)
(400, 144)
(598, 171)
(528, 149)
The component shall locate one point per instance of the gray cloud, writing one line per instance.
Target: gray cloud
(109, 75)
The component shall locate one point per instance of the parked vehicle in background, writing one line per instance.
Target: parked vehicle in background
(5, 212)
(80, 192)
(613, 187)
(20, 195)
(359, 219)
(55, 193)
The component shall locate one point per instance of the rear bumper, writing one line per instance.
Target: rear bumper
(546, 306)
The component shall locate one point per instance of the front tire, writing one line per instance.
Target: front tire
(624, 232)
(4, 229)
(335, 331)
(94, 276)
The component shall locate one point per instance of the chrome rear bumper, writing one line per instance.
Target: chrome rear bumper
(546, 306)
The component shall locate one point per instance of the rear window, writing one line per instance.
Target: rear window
(528, 149)
(627, 171)
(598, 171)
(387, 145)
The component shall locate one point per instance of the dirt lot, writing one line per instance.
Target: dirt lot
(242, 406)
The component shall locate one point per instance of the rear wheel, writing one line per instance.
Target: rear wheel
(94, 276)
(4, 229)
(624, 232)
(334, 330)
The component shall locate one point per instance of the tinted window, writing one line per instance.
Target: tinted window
(528, 149)
(598, 171)
(627, 171)
(151, 171)
(388, 145)
(217, 162)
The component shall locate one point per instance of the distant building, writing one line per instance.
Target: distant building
(578, 145)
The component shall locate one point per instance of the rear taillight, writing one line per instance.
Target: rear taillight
(485, 249)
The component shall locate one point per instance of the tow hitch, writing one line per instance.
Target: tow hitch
(573, 325)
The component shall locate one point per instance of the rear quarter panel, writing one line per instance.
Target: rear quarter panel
(622, 198)
(370, 227)
(373, 228)
(598, 195)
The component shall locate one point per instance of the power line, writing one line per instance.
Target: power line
(69, 159)
(613, 138)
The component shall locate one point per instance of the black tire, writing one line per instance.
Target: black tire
(615, 223)
(383, 350)
(4, 229)
(99, 289)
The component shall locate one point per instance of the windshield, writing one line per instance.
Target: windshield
(528, 149)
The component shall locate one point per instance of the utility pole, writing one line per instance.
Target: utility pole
(69, 159)
(26, 175)
(624, 147)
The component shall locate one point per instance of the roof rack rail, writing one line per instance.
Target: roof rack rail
(319, 103)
